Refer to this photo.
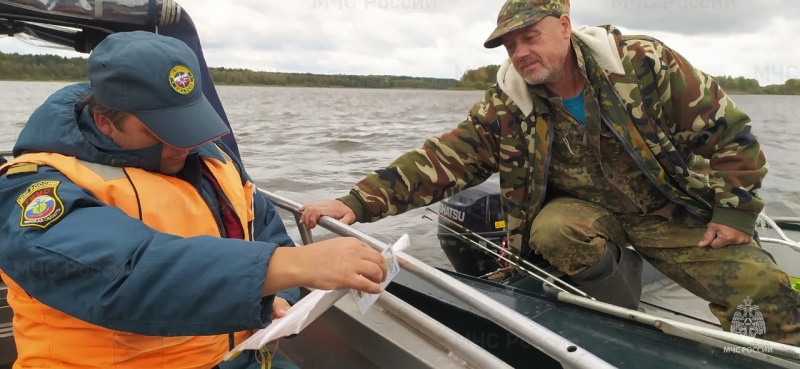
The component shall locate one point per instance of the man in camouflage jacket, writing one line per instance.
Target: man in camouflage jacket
(655, 155)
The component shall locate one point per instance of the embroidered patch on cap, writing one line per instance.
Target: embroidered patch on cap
(181, 79)
(40, 204)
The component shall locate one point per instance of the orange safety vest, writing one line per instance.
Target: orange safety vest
(47, 338)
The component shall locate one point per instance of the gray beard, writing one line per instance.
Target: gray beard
(548, 75)
(538, 81)
(541, 78)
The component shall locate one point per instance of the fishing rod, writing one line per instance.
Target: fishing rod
(501, 257)
(518, 258)
(512, 262)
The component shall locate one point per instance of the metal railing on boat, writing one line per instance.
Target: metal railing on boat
(568, 354)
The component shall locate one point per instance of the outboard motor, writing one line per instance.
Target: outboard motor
(477, 209)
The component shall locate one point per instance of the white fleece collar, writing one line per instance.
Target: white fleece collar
(597, 39)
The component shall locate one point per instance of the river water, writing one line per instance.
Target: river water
(311, 144)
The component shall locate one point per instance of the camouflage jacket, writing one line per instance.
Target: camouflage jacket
(683, 131)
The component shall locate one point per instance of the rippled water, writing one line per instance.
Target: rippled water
(311, 144)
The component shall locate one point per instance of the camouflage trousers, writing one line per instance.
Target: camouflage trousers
(572, 234)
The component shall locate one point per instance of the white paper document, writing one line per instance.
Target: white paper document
(365, 300)
(315, 303)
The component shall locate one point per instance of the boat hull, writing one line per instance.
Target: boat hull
(620, 342)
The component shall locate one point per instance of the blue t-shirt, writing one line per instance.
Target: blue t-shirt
(575, 106)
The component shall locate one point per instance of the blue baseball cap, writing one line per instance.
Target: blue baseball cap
(157, 79)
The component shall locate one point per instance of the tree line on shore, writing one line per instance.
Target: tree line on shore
(56, 68)
(483, 77)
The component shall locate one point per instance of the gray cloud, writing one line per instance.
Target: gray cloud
(443, 38)
(687, 17)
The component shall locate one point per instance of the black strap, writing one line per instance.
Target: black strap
(82, 102)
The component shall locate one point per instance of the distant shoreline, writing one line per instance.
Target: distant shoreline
(732, 93)
(53, 68)
(262, 85)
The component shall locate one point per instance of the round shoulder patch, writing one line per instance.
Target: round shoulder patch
(181, 79)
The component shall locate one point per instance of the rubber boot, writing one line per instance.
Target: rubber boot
(616, 279)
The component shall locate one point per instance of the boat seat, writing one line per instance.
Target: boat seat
(382, 338)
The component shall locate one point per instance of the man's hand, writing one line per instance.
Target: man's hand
(343, 262)
(332, 208)
(718, 236)
(279, 307)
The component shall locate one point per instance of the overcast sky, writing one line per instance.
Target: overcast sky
(443, 38)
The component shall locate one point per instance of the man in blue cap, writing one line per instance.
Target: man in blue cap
(135, 239)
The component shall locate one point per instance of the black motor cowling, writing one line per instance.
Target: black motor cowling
(477, 209)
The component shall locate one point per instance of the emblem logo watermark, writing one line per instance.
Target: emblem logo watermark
(747, 320)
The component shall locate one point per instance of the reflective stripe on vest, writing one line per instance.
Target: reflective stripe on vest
(48, 338)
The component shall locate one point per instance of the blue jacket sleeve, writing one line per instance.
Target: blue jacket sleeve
(268, 227)
(101, 266)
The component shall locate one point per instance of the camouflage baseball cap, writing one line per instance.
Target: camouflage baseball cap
(516, 14)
